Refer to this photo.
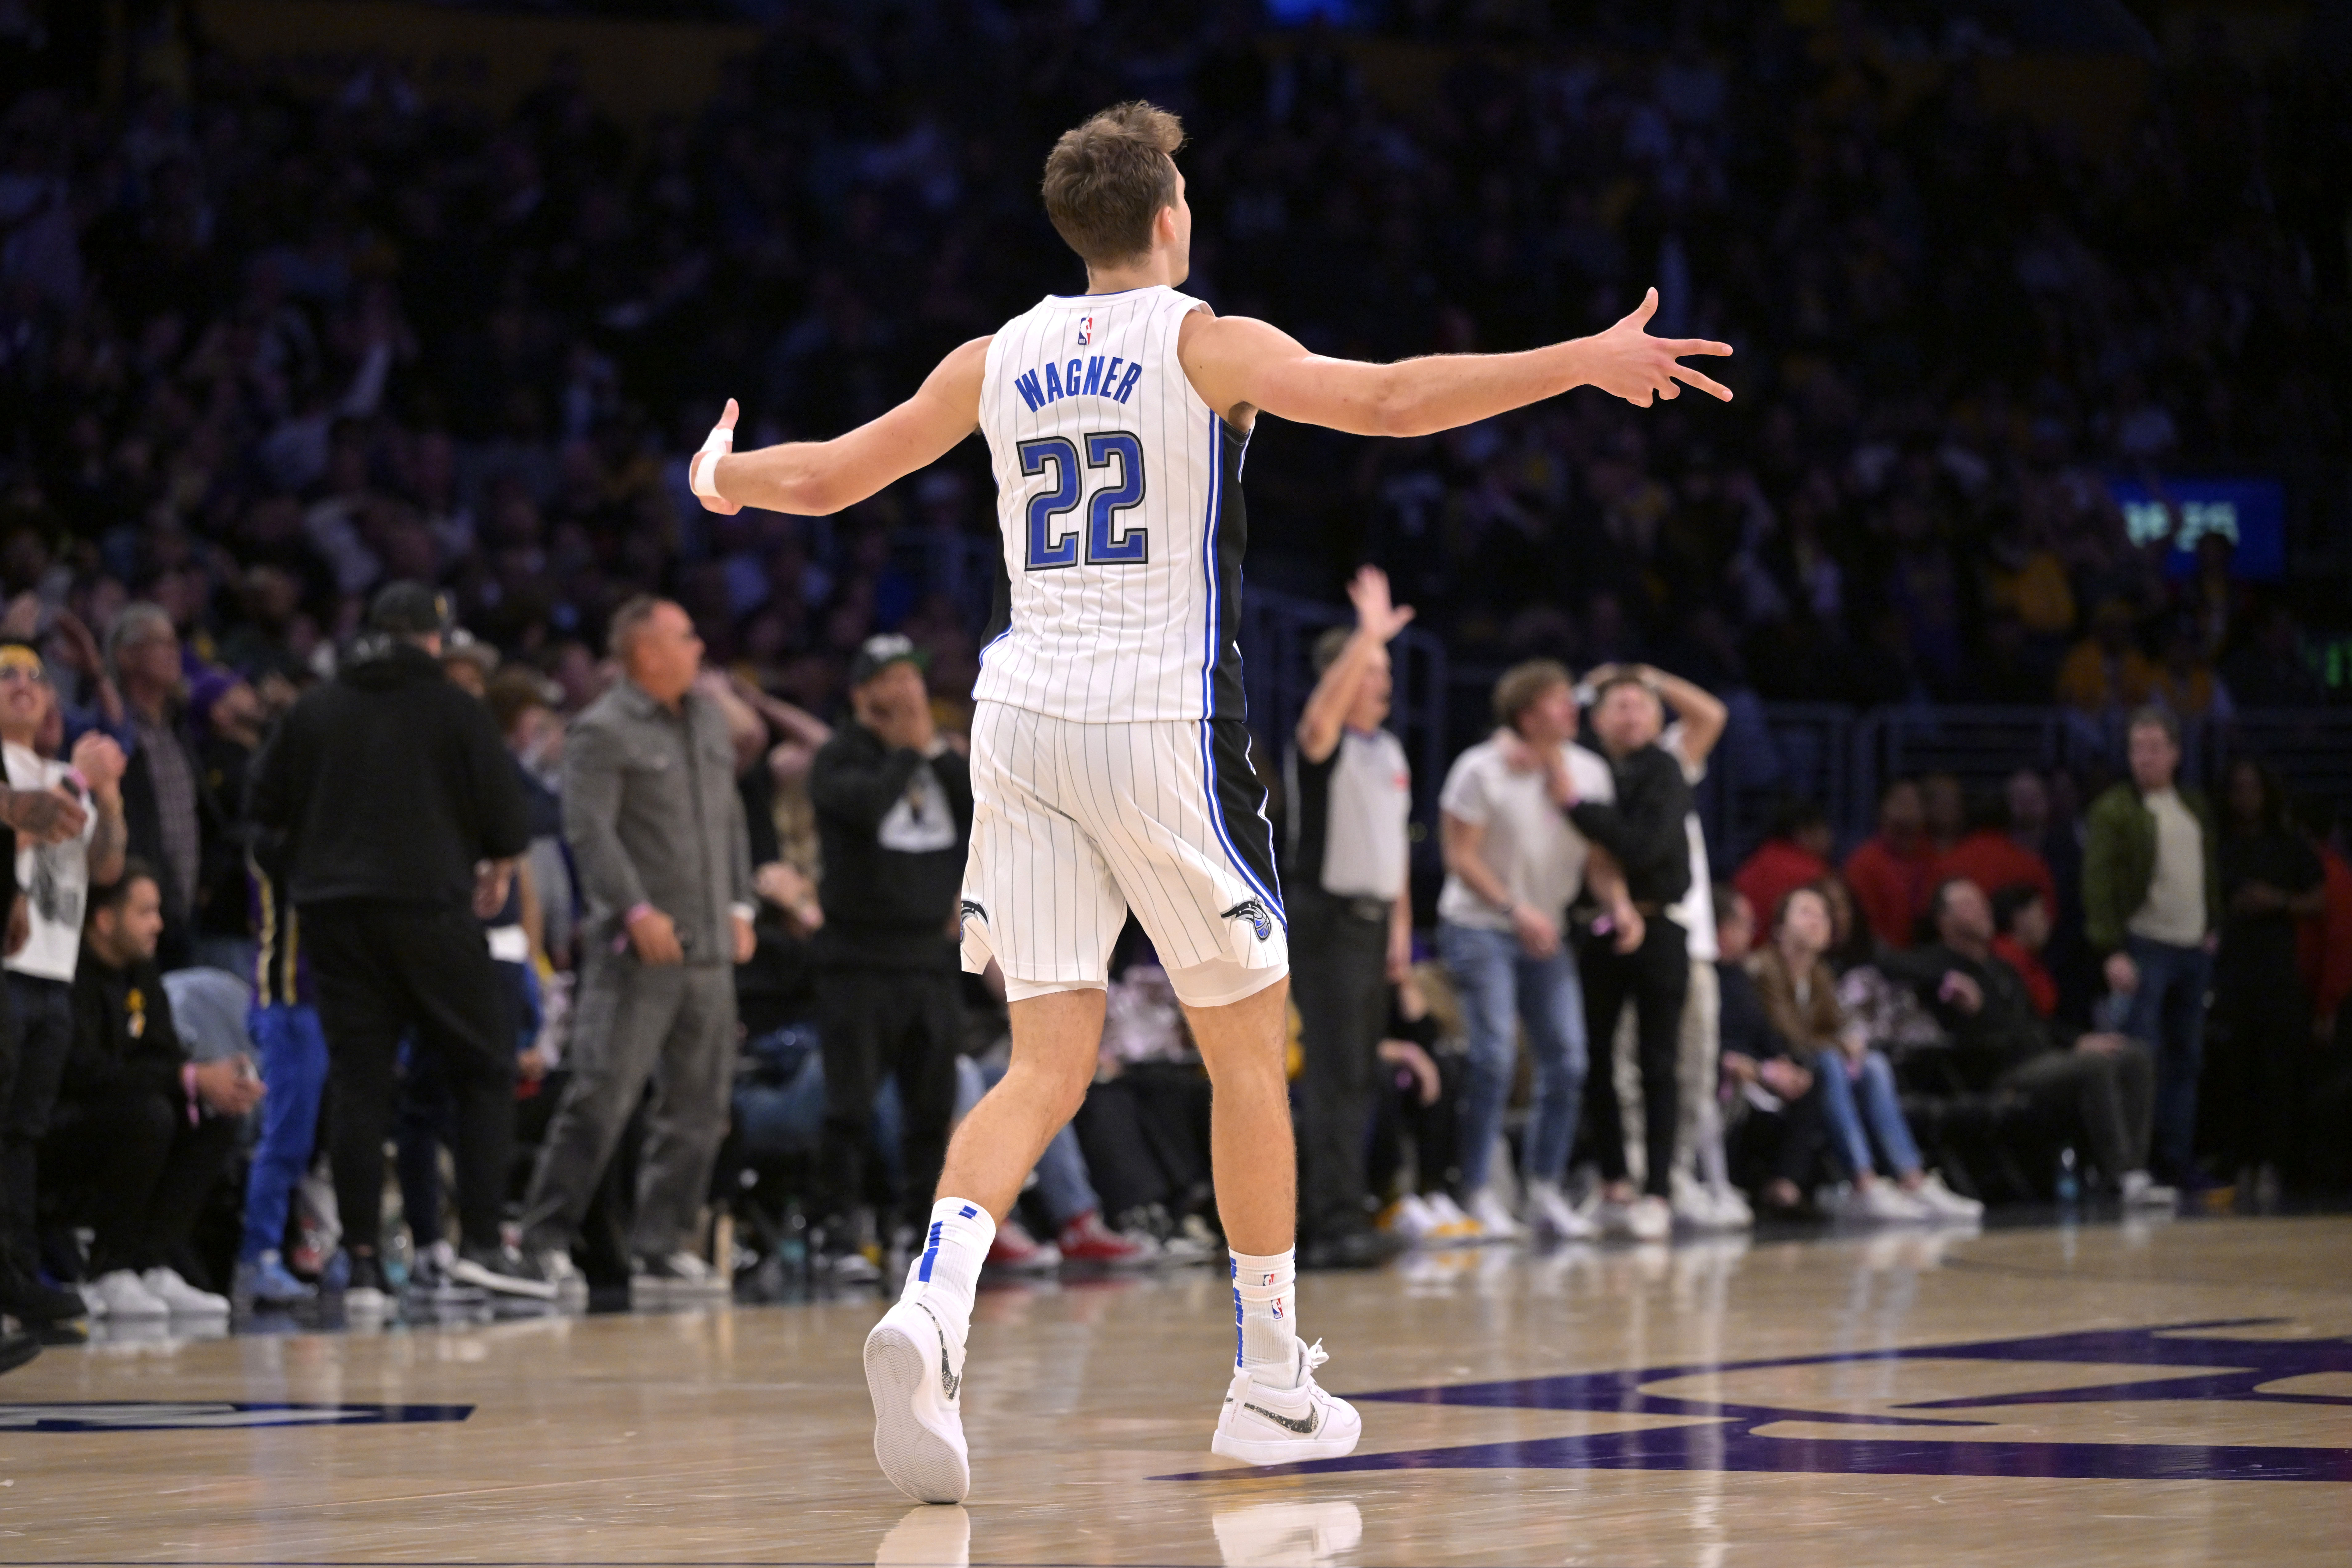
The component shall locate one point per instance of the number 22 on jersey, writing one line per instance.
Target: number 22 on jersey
(1117, 456)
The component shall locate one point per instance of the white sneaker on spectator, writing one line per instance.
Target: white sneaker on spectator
(1454, 1225)
(1263, 1423)
(1694, 1206)
(1409, 1219)
(1942, 1203)
(1550, 1214)
(1731, 1209)
(679, 1276)
(182, 1298)
(1495, 1222)
(121, 1294)
(2142, 1191)
(1646, 1219)
(555, 1266)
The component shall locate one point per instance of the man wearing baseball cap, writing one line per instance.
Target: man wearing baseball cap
(893, 804)
(403, 819)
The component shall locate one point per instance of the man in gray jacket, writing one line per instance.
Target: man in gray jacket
(657, 828)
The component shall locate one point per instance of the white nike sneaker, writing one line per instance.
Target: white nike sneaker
(120, 1294)
(183, 1298)
(1454, 1225)
(1552, 1214)
(1494, 1219)
(1646, 1219)
(1262, 1426)
(1732, 1210)
(913, 1371)
(1942, 1203)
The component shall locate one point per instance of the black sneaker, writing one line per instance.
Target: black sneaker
(18, 1344)
(25, 1294)
(363, 1290)
(502, 1270)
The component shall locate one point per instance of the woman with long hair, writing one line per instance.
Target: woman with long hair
(2270, 881)
(1857, 1084)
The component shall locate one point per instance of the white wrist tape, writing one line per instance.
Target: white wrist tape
(702, 473)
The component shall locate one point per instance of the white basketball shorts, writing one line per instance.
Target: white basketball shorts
(1074, 825)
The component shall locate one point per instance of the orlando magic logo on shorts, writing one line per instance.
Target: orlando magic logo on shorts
(969, 910)
(1250, 910)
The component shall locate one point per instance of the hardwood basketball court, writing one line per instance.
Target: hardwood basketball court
(2143, 1395)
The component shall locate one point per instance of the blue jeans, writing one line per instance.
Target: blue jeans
(2168, 1012)
(1500, 984)
(1878, 1113)
(294, 1070)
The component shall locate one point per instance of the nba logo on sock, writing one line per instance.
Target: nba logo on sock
(1277, 1306)
(1085, 331)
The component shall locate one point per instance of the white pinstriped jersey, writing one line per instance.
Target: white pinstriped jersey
(1118, 498)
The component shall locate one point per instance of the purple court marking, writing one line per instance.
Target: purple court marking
(209, 1415)
(1724, 1436)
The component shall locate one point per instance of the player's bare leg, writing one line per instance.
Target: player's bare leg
(1274, 1411)
(914, 1357)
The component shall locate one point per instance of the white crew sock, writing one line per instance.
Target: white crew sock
(947, 1271)
(1265, 1303)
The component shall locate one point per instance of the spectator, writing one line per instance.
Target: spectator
(2270, 881)
(652, 816)
(228, 722)
(1418, 1116)
(1795, 854)
(142, 1132)
(2103, 1083)
(1890, 872)
(1858, 1102)
(894, 806)
(2326, 943)
(1349, 794)
(2020, 920)
(1513, 864)
(2106, 672)
(1641, 819)
(1702, 1194)
(1772, 1084)
(405, 822)
(523, 702)
(2151, 902)
(1990, 856)
(163, 800)
(1943, 810)
(56, 880)
(284, 1026)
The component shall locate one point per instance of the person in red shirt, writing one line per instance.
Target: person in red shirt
(2325, 943)
(1893, 870)
(1991, 856)
(2020, 915)
(1795, 854)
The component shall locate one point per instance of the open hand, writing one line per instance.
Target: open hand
(1628, 362)
(1369, 592)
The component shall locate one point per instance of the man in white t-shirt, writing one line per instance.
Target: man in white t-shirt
(1514, 862)
(56, 880)
(1704, 1198)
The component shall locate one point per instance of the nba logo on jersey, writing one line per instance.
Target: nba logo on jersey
(1085, 331)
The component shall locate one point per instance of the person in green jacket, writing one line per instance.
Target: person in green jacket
(2151, 904)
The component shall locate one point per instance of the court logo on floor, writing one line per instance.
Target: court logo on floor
(210, 1414)
(1792, 1424)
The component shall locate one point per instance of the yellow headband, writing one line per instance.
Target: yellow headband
(15, 656)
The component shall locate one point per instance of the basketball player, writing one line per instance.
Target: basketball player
(1110, 768)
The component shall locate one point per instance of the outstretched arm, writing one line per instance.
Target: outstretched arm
(1377, 621)
(814, 478)
(1239, 365)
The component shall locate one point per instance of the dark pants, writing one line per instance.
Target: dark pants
(1401, 1121)
(1338, 978)
(2266, 1016)
(671, 1026)
(385, 971)
(2167, 1011)
(1784, 1145)
(906, 1024)
(135, 1170)
(1656, 978)
(45, 1031)
(2110, 1094)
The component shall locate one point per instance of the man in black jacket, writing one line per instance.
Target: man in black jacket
(2103, 1083)
(1650, 965)
(894, 811)
(404, 820)
(140, 1133)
